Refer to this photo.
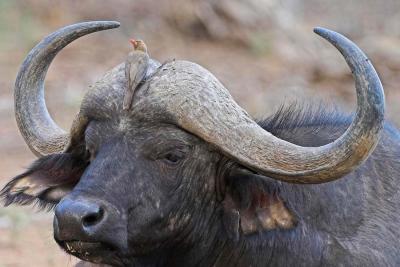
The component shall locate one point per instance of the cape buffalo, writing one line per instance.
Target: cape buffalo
(186, 177)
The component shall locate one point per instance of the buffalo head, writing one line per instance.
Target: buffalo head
(143, 185)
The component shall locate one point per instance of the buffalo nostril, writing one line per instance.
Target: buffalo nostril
(80, 219)
(93, 217)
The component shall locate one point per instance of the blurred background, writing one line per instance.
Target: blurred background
(264, 51)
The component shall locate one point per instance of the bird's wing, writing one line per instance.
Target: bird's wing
(141, 70)
(128, 95)
(136, 67)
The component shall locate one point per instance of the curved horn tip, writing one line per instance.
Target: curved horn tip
(321, 31)
(338, 40)
(111, 24)
(331, 36)
(105, 24)
(327, 34)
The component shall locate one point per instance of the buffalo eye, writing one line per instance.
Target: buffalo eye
(173, 157)
(90, 153)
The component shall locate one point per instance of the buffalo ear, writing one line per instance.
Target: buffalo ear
(251, 205)
(46, 181)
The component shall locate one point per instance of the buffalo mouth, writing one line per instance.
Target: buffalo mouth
(88, 251)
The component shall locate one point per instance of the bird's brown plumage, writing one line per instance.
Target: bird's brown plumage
(136, 66)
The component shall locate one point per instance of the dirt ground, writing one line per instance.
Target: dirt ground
(264, 51)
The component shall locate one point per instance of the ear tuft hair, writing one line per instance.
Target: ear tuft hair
(45, 182)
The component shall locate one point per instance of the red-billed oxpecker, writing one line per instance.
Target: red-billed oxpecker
(136, 66)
